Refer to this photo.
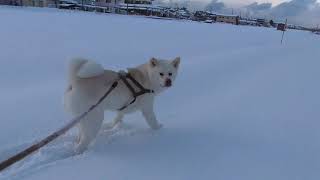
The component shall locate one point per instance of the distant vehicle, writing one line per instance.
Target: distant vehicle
(68, 4)
(317, 32)
(208, 21)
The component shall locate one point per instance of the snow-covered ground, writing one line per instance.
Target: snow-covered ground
(244, 107)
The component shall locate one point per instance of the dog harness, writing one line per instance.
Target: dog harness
(127, 76)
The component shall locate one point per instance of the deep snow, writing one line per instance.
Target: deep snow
(243, 106)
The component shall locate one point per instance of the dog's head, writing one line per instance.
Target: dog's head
(162, 73)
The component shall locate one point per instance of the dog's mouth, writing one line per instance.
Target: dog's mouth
(165, 86)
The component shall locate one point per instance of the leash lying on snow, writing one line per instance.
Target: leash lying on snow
(123, 76)
(54, 135)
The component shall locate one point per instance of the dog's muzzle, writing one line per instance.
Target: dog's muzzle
(168, 83)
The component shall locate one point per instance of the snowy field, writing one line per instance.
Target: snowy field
(243, 107)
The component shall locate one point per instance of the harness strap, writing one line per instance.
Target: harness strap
(138, 84)
(125, 81)
(135, 94)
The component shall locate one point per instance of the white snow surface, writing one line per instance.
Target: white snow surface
(244, 107)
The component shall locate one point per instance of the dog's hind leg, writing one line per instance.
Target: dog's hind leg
(89, 128)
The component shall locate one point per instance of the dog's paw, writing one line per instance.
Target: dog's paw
(79, 149)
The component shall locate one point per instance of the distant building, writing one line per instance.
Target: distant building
(262, 22)
(125, 6)
(11, 2)
(232, 19)
(143, 7)
(137, 1)
(183, 13)
(281, 27)
(107, 3)
(204, 16)
(34, 3)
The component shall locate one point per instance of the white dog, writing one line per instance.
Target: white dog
(89, 81)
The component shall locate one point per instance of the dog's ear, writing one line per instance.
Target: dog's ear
(136, 73)
(153, 62)
(176, 62)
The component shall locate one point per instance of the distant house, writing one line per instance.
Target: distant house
(34, 3)
(126, 6)
(137, 1)
(203, 16)
(145, 7)
(107, 5)
(281, 27)
(261, 21)
(10, 2)
(232, 19)
(183, 13)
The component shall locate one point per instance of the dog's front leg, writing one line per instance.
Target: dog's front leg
(150, 117)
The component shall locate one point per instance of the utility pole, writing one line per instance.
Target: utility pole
(285, 27)
(127, 7)
(82, 5)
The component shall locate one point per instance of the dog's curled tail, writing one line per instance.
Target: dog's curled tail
(83, 68)
(79, 68)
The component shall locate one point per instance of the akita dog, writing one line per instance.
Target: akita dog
(89, 81)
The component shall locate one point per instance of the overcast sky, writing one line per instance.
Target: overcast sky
(303, 12)
(243, 2)
(299, 12)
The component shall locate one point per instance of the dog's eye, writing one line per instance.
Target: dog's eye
(170, 74)
(161, 74)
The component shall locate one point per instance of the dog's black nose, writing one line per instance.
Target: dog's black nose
(168, 82)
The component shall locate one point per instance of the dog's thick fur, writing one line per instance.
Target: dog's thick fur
(88, 82)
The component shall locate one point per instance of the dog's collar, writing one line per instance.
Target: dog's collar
(127, 76)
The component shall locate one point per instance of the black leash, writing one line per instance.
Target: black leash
(10, 161)
(5, 164)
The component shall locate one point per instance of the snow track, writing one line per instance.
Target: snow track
(60, 149)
